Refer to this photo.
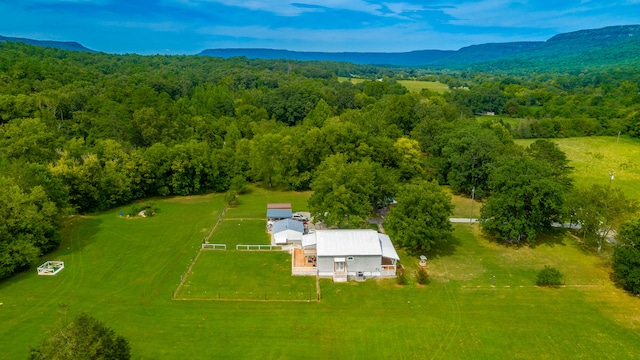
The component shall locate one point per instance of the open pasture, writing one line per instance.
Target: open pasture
(417, 85)
(411, 85)
(481, 302)
(595, 158)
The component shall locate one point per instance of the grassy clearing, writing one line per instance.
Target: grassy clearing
(417, 86)
(253, 204)
(125, 271)
(250, 275)
(411, 85)
(593, 158)
(462, 205)
(237, 231)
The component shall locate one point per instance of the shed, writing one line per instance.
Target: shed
(279, 214)
(287, 231)
(279, 206)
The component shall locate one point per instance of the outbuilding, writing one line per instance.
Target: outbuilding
(287, 231)
(278, 211)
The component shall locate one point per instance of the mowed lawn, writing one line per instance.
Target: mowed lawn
(253, 204)
(238, 231)
(246, 275)
(124, 272)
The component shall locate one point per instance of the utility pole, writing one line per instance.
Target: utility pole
(611, 173)
(473, 197)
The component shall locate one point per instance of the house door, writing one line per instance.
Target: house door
(338, 266)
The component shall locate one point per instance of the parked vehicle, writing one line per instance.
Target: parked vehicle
(299, 217)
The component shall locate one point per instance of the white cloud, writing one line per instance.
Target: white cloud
(165, 26)
(401, 8)
(294, 8)
(382, 39)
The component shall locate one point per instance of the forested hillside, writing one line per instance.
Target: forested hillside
(569, 52)
(82, 132)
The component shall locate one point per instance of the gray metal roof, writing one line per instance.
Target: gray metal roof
(347, 242)
(287, 224)
(279, 213)
(388, 250)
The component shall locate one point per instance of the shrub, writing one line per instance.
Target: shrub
(549, 276)
(134, 210)
(401, 276)
(421, 276)
(149, 209)
(231, 197)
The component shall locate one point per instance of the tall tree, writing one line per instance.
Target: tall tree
(525, 200)
(600, 210)
(419, 221)
(344, 192)
(470, 153)
(28, 225)
(626, 257)
(83, 338)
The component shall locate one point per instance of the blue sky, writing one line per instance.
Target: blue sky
(189, 26)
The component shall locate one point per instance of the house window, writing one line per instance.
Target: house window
(350, 258)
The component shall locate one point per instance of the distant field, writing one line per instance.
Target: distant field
(593, 158)
(417, 86)
(411, 85)
(481, 302)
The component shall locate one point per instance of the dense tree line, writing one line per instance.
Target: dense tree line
(86, 132)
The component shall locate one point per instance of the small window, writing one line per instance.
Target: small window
(350, 258)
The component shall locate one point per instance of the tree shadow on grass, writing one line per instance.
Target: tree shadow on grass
(443, 249)
(551, 238)
(78, 232)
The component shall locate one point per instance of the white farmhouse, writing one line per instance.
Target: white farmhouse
(346, 254)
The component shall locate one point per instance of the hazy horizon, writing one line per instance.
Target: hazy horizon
(190, 26)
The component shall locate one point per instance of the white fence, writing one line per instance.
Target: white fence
(258, 247)
(214, 246)
(304, 270)
(388, 270)
(50, 268)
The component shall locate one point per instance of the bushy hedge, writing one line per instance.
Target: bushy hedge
(549, 276)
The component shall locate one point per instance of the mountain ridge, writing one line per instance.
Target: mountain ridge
(577, 50)
(63, 45)
(557, 51)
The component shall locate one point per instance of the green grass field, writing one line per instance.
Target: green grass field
(594, 157)
(246, 275)
(254, 204)
(411, 85)
(462, 205)
(237, 231)
(124, 272)
(417, 86)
